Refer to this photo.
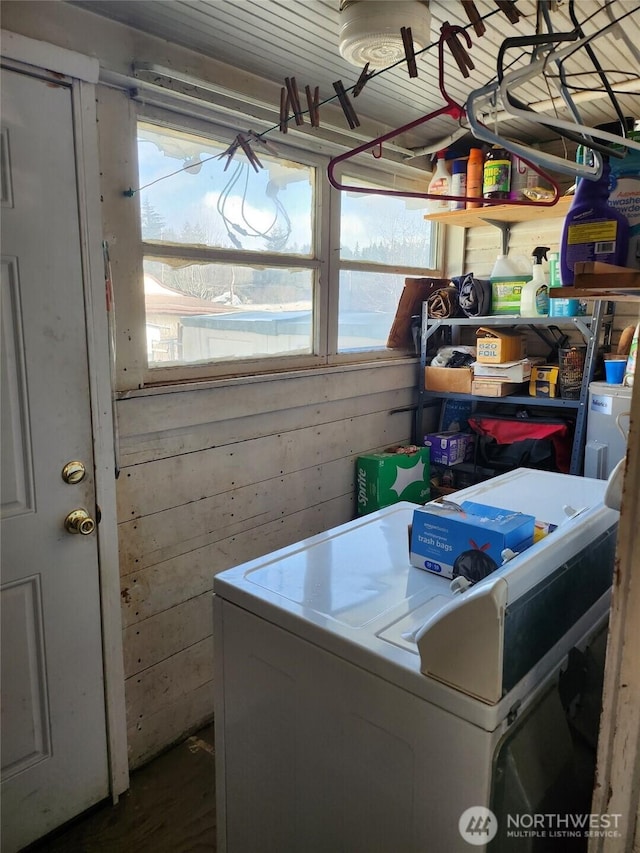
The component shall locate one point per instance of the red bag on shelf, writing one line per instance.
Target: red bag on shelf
(508, 442)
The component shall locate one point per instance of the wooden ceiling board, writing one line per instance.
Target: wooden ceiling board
(278, 38)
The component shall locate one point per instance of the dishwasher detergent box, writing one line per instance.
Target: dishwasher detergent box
(397, 474)
(449, 448)
(467, 539)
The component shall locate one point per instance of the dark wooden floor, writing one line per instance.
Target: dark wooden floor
(169, 808)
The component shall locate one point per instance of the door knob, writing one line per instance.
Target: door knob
(79, 521)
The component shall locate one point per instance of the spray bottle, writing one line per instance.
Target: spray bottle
(593, 230)
(440, 184)
(534, 299)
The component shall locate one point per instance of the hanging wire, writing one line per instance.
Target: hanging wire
(276, 242)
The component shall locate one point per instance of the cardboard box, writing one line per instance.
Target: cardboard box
(508, 371)
(457, 379)
(544, 381)
(449, 448)
(467, 541)
(494, 346)
(486, 387)
(384, 478)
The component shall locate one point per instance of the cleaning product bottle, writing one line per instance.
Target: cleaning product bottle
(592, 230)
(458, 182)
(474, 177)
(440, 184)
(507, 282)
(560, 307)
(534, 299)
(496, 175)
(625, 195)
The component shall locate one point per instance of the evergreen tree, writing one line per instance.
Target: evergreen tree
(153, 224)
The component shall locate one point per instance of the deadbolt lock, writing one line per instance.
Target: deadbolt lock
(79, 521)
(74, 472)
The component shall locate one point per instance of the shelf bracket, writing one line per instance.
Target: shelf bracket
(505, 228)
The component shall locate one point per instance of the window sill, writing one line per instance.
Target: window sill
(272, 376)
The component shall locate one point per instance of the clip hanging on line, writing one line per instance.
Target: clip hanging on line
(410, 56)
(462, 58)
(240, 142)
(363, 79)
(474, 17)
(312, 103)
(284, 109)
(294, 99)
(510, 10)
(347, 106)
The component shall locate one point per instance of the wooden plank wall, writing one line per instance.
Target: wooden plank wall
(483, 245)
(216, 476)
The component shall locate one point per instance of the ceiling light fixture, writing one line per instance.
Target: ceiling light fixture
(370, 30)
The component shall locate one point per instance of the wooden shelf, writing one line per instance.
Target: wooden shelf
(595, 280)
(501, 213)
(604, 293)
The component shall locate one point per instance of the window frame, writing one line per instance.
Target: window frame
(325, 264)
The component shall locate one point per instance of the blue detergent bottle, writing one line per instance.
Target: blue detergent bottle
(592, 229)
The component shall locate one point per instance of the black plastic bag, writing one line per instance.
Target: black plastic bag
(474, 565)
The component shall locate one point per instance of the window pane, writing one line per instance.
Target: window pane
(266, 211)
(384, 229)
(210, 312)
(367, 307)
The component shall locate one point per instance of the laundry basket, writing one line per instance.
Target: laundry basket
(571, 360)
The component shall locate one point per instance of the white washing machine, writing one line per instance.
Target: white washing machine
(361, 706)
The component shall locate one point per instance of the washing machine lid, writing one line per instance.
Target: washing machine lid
(352, 591)
(349, 576)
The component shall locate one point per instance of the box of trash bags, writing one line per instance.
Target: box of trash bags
(468, 539)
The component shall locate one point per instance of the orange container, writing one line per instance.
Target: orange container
(474, 177)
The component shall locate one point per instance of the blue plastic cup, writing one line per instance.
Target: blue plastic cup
(614, 370)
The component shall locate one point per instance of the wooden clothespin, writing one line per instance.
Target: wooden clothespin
(407, 42)
(510, 10)
(294, 99)
(363, 79)
(458, 51)
(229, 153)
(251, 155)
(268, 146)
(474, 17)
(347, 106)
(284, 109)
(313, 101)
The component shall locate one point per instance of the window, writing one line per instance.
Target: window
(382, 239)
(240, 274)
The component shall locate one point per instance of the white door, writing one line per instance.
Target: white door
(53, 748)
